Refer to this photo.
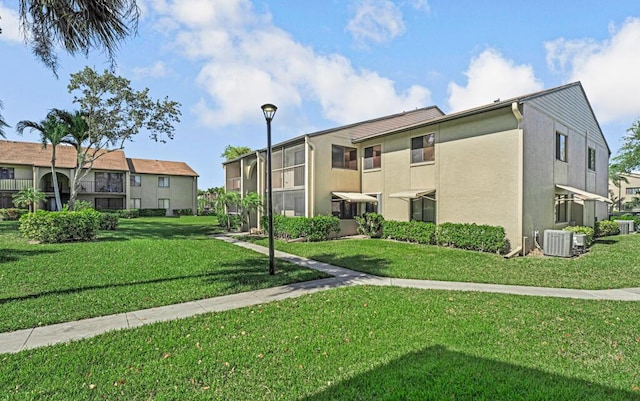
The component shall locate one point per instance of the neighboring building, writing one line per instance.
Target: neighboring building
(527, 164)
(115, 182)
(626, 196)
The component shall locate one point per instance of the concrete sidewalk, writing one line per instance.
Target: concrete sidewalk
(19, 340)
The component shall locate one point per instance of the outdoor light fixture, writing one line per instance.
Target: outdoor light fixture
(269, 111)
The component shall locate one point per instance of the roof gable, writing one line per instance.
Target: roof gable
(160, 167)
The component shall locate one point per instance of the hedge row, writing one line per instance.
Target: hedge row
(65, 226)
(183, 212)
(152, 212)
(474, 237)
(318, 228)
(605, 228)
(588, 231)
(12, 213)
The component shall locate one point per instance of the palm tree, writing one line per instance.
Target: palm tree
(51, 132)
(77, 26)
(250, 203)
(617, 177)
(231, 152)
(28, 197)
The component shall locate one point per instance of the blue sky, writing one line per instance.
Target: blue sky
(329, 63)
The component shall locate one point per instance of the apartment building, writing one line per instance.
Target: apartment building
(115, 181)
(535, 162)
(626, 194)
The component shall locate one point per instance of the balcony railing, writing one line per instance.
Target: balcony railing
(62, 188)
(15, 185)
(92, 187)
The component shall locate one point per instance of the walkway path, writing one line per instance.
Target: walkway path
(19, 340)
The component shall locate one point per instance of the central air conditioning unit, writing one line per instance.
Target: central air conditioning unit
(580, 240)
(626, 226)
(558, 243)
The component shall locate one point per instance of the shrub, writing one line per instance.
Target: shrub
(370, 224)
(588, 231)
(81, 205)
(411, 231)
(152, 212)
(318, 228)
(62, 226)
(108, 221)
(605, 228)
(183, 212)
(12, 213)
(473, 237)
(128, 213)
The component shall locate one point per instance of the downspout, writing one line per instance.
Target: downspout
(309, 150)
(516, 113)
(259, 184)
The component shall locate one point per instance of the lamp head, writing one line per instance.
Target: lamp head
(269, 111)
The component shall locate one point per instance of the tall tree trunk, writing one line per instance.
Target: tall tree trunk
(54, 177)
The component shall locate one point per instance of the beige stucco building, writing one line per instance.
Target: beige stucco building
(527, 164)
(626, 195)
(115, 182)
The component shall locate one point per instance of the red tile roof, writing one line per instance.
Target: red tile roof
(145, 166)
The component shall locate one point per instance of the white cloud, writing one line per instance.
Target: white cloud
(490, 76)
(247, 62)
(420, 5)
(377, 21)
(10, 25)
(156, 70)
(608, 70)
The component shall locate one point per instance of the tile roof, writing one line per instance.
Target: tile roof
(145, 166)
(34, 154)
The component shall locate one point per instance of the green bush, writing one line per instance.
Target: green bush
(183, 212)
(605, 228)
(318, 228)
(473, 237)
(12, 213)
(411, 231)
(62, 226)
(80, 205)
(108, 221)
(152, 212)
(588, 231)
(370, 224)
(128, 213)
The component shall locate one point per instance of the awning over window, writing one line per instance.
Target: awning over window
(355, 197)
(583, 195)
(412, 193)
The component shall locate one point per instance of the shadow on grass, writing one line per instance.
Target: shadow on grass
(436, 373)
(251, 273)
(358, 262)
(606, 241)
(159, 229)
(12, 255)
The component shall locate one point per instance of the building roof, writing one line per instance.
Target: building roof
(146, 166)
(34, 154)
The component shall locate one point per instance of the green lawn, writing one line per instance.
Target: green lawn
(612, 262)
(147, 262)
(356, 343)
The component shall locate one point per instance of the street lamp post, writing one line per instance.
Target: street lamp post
(269, 111)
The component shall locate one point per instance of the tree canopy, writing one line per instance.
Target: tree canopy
(628, 158)
(231, 152)
(77, 26)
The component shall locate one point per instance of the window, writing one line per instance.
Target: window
(7, 173)
(372, 157)
(562, 208)
(135, 203)
(344, 157)
(109, 203)
(423, 148)
(343, 209)
(632, 191)
(163, 204)
(109, 182)
(423, 209)
(135, 181)
(289, 203)
(561, 147)
(163, 182)
(591, 162)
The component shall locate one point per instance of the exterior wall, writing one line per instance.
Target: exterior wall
(181, 192)
(542, 171)
(621, 191)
